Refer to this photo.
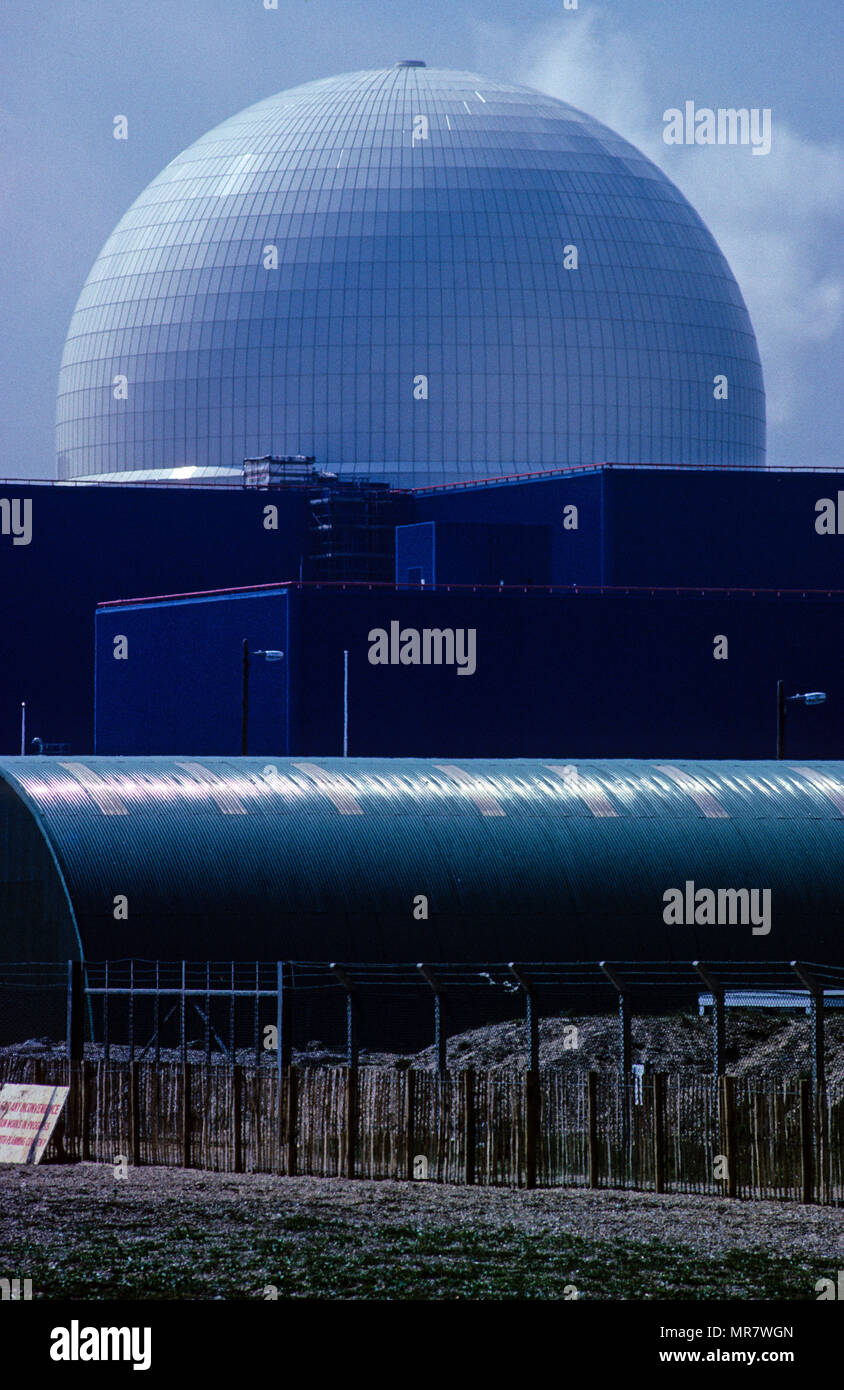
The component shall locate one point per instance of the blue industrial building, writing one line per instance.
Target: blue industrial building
(325, 859)
(738, 533)
(508, 674)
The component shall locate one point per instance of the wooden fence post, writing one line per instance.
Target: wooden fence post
(351, 1119)
(237, 1116)
(186, 1115)
(531, 1126)
(134, 1114)
(822, 1143)
(469, 1125)
(727, 1102)
(592, 1126)
(659, 1130)
(806, 1166)
(292, 1118)
(758, 1116)
(88, 1086)
(410, 1120)
(73, 1110)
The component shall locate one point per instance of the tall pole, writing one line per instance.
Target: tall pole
(780, 719)
(23, 727)
(345, 704)
(244, 703)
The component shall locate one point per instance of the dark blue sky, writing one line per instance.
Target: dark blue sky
(177, 67)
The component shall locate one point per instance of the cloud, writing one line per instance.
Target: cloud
(775, 217)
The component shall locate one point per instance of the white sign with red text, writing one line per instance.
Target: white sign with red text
(28, 1116)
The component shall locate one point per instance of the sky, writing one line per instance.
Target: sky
(176, 68)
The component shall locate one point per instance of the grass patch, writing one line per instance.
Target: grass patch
(202, 1255)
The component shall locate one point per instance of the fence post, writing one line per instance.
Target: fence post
(470, 1130)
(75, 1012)
(131, 1010)
(351, 1014)
(134, 1114)
(351, 1118)
(719, 1028)
(727, 1127)
(207, 1013)
(351, 1066)
(758, 1116)
(237, 1116)
(88, 1084)
(409, 1120)
(532, 1077)
(284, 1016)
(659, 1130)
(592, 1126)
(531, 1126)
(818, 1096)
(292, 1077)
(531, 1016)
(256, 1015)
(183, 1022)
(440, 1037)
(816, 1012)
(186, 1115)
(106, 1029)
(625, 1041)
(806, 1174)
(156, 1013)
(284, 1054)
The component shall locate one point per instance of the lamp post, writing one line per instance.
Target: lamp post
(268, 655)
(811, 697)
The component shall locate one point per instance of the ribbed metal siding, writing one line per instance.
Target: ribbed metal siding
(36, 919)
(518, 863)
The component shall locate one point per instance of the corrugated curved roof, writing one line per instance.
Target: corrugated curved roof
(323, 858)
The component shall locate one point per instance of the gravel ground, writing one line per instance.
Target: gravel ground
(171, 1233)
(32, 1198)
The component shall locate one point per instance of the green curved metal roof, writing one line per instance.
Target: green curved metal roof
(321, 858)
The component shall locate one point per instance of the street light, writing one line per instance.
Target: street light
(270, 654)
(811, 697)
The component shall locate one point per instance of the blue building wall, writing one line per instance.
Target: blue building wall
(454, 552)
(721, 529)
(668, 526)
(90, 544)
(177, 675)
(563, 675)
(635, 528)
(576, 555)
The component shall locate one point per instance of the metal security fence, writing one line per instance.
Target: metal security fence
(262, 1013)
(667, 1133)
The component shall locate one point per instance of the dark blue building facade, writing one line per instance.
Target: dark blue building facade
(87, 544)
(451, 673)
(635, 529)
(667, 527)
